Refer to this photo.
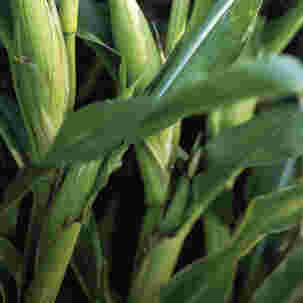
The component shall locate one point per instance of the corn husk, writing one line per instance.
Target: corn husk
(134, 41)
(40, 71)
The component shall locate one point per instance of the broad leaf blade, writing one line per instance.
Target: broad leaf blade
(100, 127)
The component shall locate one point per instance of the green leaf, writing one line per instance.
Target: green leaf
(284, 283)
(94, 39)
(200, 12)
(94, 20)
(216, 231)
(280, 31)
(270, 141)
(87, 260)
(283, 139)
(206, 49)
(6, 23)
(176, 207)
(263, 180)
(210, 279)
(12, 130)
(23, 183)
(60, 229)
(111, 163)
(100, 127)
(206, 280)
(271, 213)
(94, 28)
(177, 23)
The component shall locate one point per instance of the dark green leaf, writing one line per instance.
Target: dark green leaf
(284, 283)
(210, 280)
(94, 19)
(12, 129)
(271, 213)
(207, 280)
(100, 127)
(23, 183)
(216, 231)
(94, 27)
(270, 138)
(6, 23)
(87, 260)
(260, 141)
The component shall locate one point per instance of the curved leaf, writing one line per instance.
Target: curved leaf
(260, 141)
(100, 127)
(210, 279)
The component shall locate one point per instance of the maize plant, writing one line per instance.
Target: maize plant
(219, 206)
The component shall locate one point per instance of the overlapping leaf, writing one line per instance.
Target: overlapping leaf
(260, 141)
(100, 127)
(210, 279)
(205, 48)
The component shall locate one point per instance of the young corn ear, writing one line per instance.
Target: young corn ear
(135, 41)
(137, 46)
(40, 71)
